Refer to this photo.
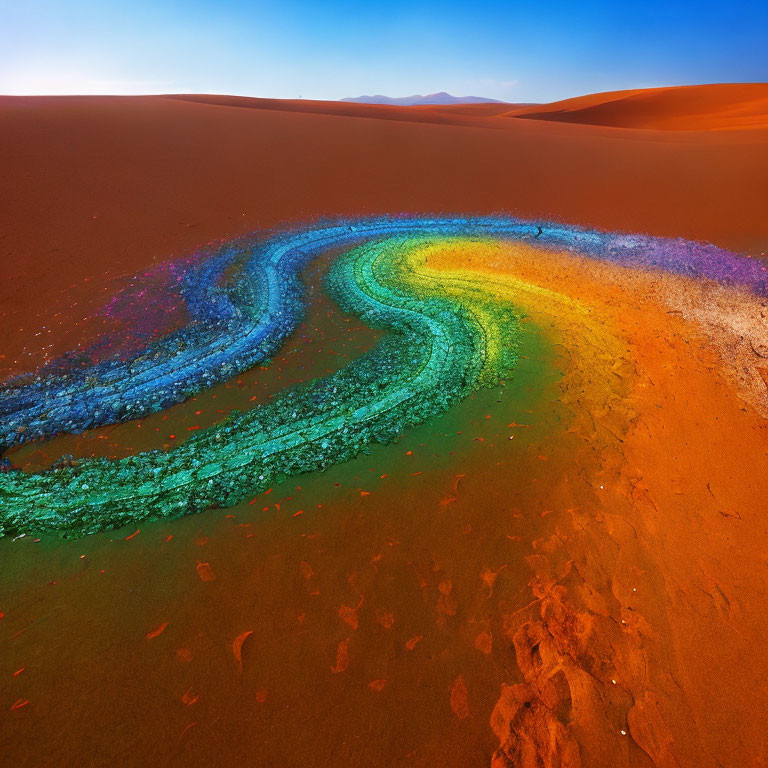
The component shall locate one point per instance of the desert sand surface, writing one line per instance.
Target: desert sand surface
(566, 571)
(686, 108)
(150, 177)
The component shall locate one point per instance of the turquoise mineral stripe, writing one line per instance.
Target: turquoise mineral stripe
(431, 358)
(244, 300)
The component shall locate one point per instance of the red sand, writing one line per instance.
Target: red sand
(95, 187)
(685, 108)
(411, 625)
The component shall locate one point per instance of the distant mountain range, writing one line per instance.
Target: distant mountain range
(432, 98)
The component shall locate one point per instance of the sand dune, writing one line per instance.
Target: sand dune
(687, 108)
(455, 114)
(595, 601)
(96, 187)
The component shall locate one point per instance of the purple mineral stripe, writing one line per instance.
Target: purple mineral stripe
(691, 259)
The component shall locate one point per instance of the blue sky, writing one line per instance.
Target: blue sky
(532, 51)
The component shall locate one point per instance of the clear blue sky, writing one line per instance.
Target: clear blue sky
(515, 51)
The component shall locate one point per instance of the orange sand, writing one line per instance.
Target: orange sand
(688, 108)
(460, 581)
(657, 585)
(96, 187)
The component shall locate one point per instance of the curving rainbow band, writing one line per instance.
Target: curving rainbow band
(446, 337)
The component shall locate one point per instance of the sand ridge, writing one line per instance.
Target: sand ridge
(722, 107)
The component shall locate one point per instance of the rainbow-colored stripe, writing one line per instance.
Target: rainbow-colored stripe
(450, 332)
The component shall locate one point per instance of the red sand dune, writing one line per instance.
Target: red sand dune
(95, 187)
(450, 113)
(685, 108)
(381, 630)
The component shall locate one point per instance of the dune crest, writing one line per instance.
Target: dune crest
(724, 106)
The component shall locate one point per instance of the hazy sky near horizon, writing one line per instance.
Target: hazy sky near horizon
(514, 51)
